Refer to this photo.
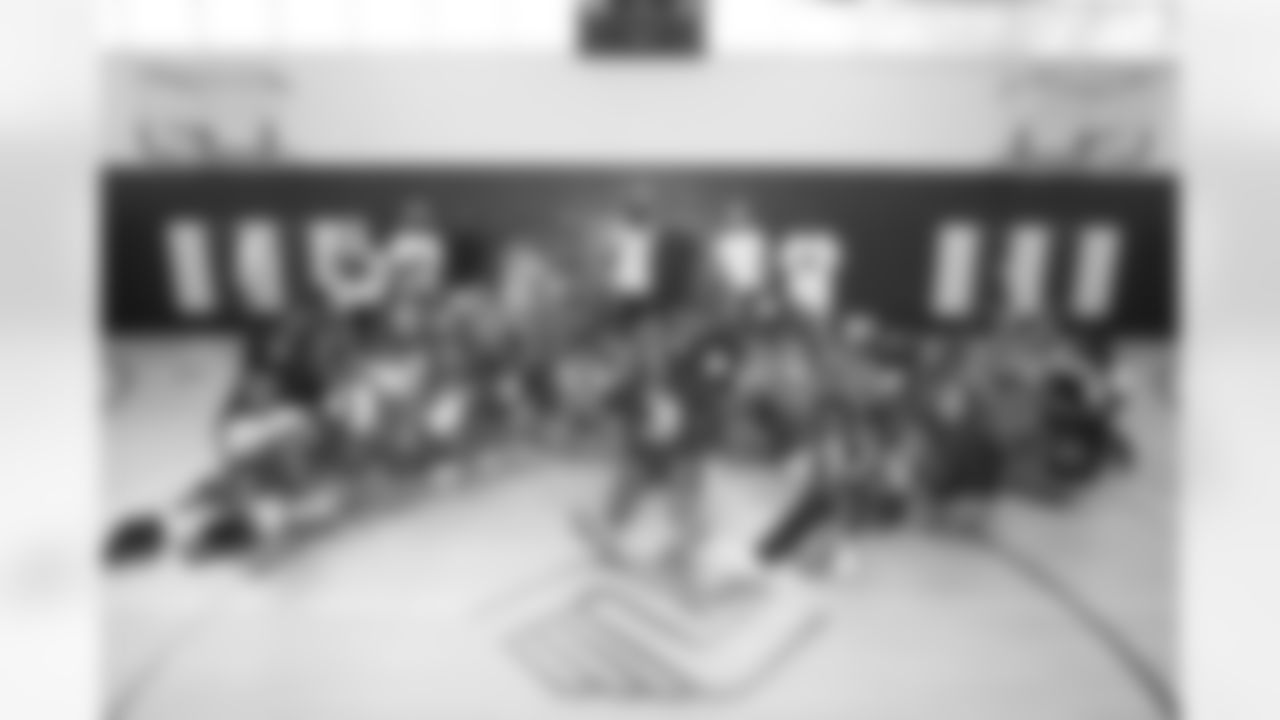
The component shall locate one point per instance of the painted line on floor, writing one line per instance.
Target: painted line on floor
(558, 578)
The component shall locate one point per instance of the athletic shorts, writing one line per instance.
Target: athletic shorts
(660, 463)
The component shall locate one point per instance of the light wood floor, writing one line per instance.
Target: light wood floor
(369, 628)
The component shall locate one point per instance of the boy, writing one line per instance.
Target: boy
(667, 429)
(275, 444)
(841, 466)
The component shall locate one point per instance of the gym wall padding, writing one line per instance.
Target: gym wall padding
(890, 219)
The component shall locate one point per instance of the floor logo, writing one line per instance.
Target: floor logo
(627, 641)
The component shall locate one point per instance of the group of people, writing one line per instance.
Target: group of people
(405, 382)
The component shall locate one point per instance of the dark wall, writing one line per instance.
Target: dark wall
(890, 219)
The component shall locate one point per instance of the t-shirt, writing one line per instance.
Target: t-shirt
(416, 258)
(740, 258)
(811, 265)
(632, 262)
(294, 358)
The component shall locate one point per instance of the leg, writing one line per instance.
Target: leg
(142, 536)
(622, 502)
(813, 510)
(628, 492)
(251, 511)
(684, 490)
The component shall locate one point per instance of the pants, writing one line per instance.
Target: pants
(815, 509)
(968, 464)
(1092, 438)
(827, 506)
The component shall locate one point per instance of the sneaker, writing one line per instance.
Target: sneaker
(135, 540)
(228, 535)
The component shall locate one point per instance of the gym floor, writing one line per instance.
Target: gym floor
(376, 624)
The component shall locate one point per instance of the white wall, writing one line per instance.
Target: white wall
(897, 113)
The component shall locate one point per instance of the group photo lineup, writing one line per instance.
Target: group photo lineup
(506, 389)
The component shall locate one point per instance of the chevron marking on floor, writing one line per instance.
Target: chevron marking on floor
(629, 641)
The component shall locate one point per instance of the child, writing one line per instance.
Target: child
(965, 462)
(667, 430)
(274, 471)
(739, 260)
(840, 467)
(273, 440)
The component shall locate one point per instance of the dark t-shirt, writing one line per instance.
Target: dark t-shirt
(967, 458)
(674, 412)
(292, 360)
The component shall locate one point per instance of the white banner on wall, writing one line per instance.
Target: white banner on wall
(512, 110)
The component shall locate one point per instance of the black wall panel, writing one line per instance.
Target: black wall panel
(890, 220)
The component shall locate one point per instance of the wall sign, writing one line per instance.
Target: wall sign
(215, 115)
(1085, 118)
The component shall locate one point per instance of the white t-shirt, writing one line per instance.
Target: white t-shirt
(415, 257)
(446, 415)
(740, 255)
(529, 281)
(811, 265)
(632, 247)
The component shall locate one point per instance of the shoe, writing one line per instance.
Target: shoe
(135, 540)
(225, 536)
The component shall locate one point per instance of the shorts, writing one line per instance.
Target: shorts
(629, 314)
(660, 463)
(668, 480)
(969, 466)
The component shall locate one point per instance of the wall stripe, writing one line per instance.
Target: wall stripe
(191, 274)
(258, 264)
(1026, 268)
(957, 247)
(1098, 259)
